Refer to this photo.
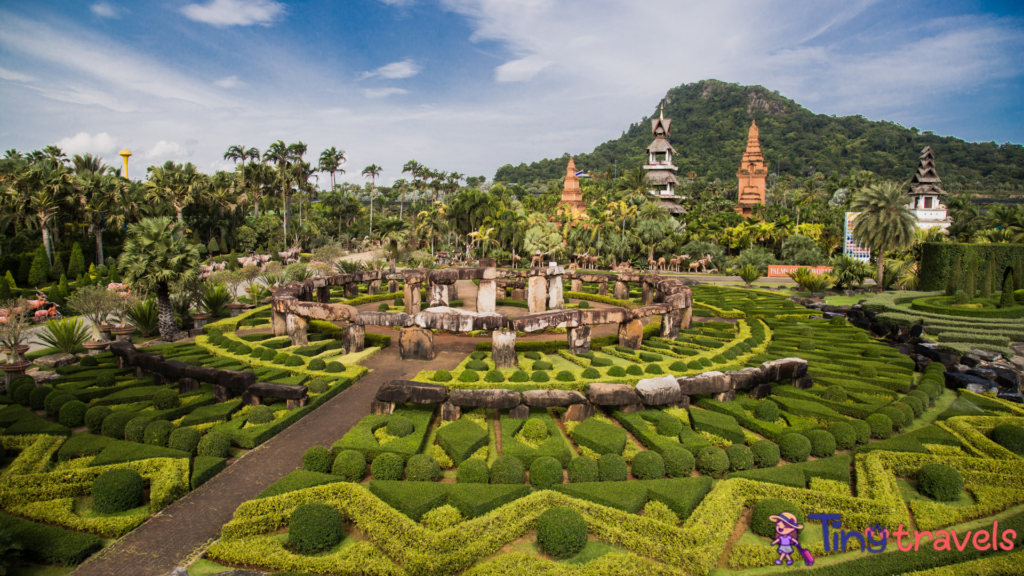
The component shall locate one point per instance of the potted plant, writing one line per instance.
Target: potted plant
(124, 301)
(95, 303)
(16, 319)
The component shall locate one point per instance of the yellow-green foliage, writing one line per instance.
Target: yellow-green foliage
(971, 432)
(36, 452)
(61, 512)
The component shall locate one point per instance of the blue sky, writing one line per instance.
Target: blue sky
(469, 85)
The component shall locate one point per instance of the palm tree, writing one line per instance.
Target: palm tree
(885, 222)
(156, 253)
(100, 196)
(372, 172)
(431, 223)
(330, 162)
(239, 154)
(394, 233)
(280, 154)
(176, 184)
(400, 184)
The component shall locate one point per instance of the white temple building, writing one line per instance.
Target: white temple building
(926, 194)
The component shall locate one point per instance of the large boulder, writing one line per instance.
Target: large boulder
(401, 391)
(659, 391)
(612, 395)
(57, 360)
(783, 369)
(550, 398)
(745, 378)
(956, 380)
(416, 344)
(713, 382)
(496, 399)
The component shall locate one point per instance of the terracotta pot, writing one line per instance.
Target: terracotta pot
(105, 327)
(236, 306)
(8, 367)
(95, 345)
(124, 330)
(200, 316)
(22, 348)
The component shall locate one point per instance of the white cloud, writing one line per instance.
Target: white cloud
(229, 82)
(83, 142)
(6, 74)
(104, 10)
(235, 12)
(383, 92)
(405, 69)
(520, 70)
(164, 150)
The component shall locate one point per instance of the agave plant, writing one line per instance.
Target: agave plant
(849, 271)
(216, 299)
(811, 282)
(65, 335)
(346, 266)
(145, 317)
(750, 274)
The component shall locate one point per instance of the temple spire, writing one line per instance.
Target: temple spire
(752, 174)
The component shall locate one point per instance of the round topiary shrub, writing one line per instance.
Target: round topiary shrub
(940, 482)
(898, 418)
(535, 430)
(677, 366)
(422, 468)
(653, 369)
(519, 376)
(37, 397)
(494, 376)
(94, 418)
(117, 490)
(72, 414)
(545, 472)
(705, 361)
(766, 410)
(215, 444)
(1010, 437)
(53, 402)
(269, 354)
(915, 404)
(760, 521)
(694, 365)
(590, 374)
(648, 465)
(294, 361)
(281, 358)
(583, 305)
(350, 466)
(921, 395)
(794, 447)
(806, 345)
(158, 433)
(634, 370)
(508, 470)
(872, 352)
(260, 415)
(258, 352)
(612, 468)
(166, 399)
(823, 443)
(115, 423)
(400, 426)
(862, 431)
(317, 364)
(317, 459)
(616, 371)
(867, 372)
(88, 361)
(383, 307)
(908, 412)
(469, 376)
(766, 453)
(837, 321)
(564, 376)
(679, 462)
(472, 471)
(844, 435)
(712, 461)
(106, 380)
(532, 355)
(540, 377)
(242, 349)
(315, 527)
(334, 368)
(542, 365)
(387, 466)
(669, 426)
(185, 439)
(740, 457)
(561, 532)
(135, 431)
(442, 376)
(834, 394)
(583, 469)
(318, 385)
(478, 355)
(880, 424)
(932, 389)
(478, 365)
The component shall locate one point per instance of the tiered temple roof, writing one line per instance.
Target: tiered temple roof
(926, 180)
(572, 194)
(661, 172)
(752, 174)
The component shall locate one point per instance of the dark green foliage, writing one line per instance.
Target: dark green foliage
(532, 355)
(442, 376)
(1010, 437)
(823, 443)
(648, 465)
(37, 395)
(422, 468)
(540, 365)
(387, 466)
(898, 418)
(653, 369)
(270, 355)
(461, 438)
(634, 370)
(583, 470)
(545, 472)
(315, 527)
(765, 453)
(88, 361)
(135, 431)
(508, 470)
(206, 467)
(400, 426)
(49, 544)
(564, 376)
(215, 444)
(617, 371)
(117, 490)
(838, 393)
(475, 499)
(862, 430)
(158, 433)
(1006, 296)
(561, 532)
(166, 399)
(590, 374)
(881, 425)
(540, 377)
(494, 376)
(915, 405)
(740, 457)
(472, 471)
(185, 439)
(293, 361)
(600, 437)
(794, 447)
(790, 475)
(760, 521)
(72, 414)
(612, 468)
(519, 376)
(940, 482)
(712, 461)
(350, 466)
(766, 410)
(52, 402)
(471, 376)
(296, 480)
(844, 434)
(40, 268)
(260, 414)
(679, 462)
(678, 366)
(318, 385)
(627, 496)
(721, 425)
(806, 345)
(670, 426)
(94, 418)
(317, 459)
(281, 358)
(115, 423)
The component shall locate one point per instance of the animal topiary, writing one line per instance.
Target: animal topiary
(472, 471)
(561, 532)
(508, 470)
(794, 447)
(648, 465)
(679, 462)
(422, 468)
(315, 527)
(350, 466)
(766, 453)
(740, 457)
(545, 472)
(761, 522)
(387, 466)
(117, 490)
(583, 469)
(940, 481)
(612, 468)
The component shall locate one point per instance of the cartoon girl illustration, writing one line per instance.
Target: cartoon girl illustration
(786, 527)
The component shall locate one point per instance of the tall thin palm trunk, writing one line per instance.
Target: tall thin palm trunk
(168, 327)
(98, 232)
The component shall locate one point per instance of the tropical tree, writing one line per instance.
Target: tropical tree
(885, 222)
(156, 254)
(372, 172)
(394, 234)
(176, 184)
(280, 154)
(330, 162)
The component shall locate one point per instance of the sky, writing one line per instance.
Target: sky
(471, 85)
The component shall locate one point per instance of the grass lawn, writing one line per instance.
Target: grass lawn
(908, 490)
(592, 551)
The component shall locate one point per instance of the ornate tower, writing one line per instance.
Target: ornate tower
(925, 191)
(752, 174)
(661, 172)
(572, 195)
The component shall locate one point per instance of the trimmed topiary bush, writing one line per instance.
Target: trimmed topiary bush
(532, 355)
(653, 369)
(679, 462)
(678, 366)
(542, 365)
(469, 376)
(1010, 437)
(867, 372)
(880, 424)
(844, 435)
(117, 490)
(823, 443)
(472, 471)
(545, 472)
(617, 371)
(166, 399)
(862, 430)
(315, 527)
(915, 404)
(387, 466)
(760, 521)
(508, 470)
(281, 358)
(242, 350)
(940, 482)
(106, 380)
(350, 466)
(898, 417)
(260, 415)
(88, 361)
(740, 457)
(612, 468)
(766, 410)
(72, 414)
(648, 465)
(335, 367)
(540, 377)
(158, 433)
(442, 376)
(564, 376)
(806, 345)
(494, 377)
(794, 447)
(115, 423)
(269, 355)
(422, 468)
(53, 402)
(317, 459)
(294, 361)
(590, 374)
(535, 430)
(634, 370)
(766, 453)
(561, 532)
(400, 426)
(258, 352)
(317, 364)
(834, 394)
(215, 444)
(185, 439)
(670, 426)
(37, 397)
(712, 461)
(519, 376)
(94, 418)
(477, 365)
(318, 385)
(583, 469)
(135, 431)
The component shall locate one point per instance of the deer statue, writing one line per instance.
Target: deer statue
(661, 263)
(515, 260)
(538, 260)
(652, 264)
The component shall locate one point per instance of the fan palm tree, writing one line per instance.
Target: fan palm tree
(330, 162)
(394, 235)
(176, 184)
(885, 222)
(156, 253)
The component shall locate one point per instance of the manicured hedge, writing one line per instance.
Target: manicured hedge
(461, 438)
(297, 480)
(561, 532)
(49, 544)
(937, 259)
(600, 437)
(206, 467)
(361, 438)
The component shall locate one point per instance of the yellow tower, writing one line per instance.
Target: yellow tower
(125, 154)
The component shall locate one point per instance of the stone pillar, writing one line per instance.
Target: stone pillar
(576, 285)
(555, 299)
(521, 412)
(578, 412)
(486, 293)
(251, 399)
(686, 319)
(373, 288)
(221, 393)
(437, 294)
(353, 338)
(140, 372)
(670, 324)
(381, 408)
(602, 288)
(450, 412)
(631, 334)
(392, 286)
(323, 294)
(646, 293)
(235, 311)
(293, 403)
(277, 319)
(351, 290)
(124, 338)
(518, 294)
(621, 290)
(453, 292)
(187, 385)
(538, 294)
(503, 349)
(412, 298)
(296, 327)
(727, 396)
(579, 340)
(416, 344)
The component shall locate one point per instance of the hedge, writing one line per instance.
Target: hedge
(461, 438)
(361, 439)
(600, 437)
(627, 496)
(555, 445)
(297, 480)
(49, 544)
(414, 499)
(937, 259)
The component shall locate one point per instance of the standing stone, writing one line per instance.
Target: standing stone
(297, 327)
(518, 294)
(277, 319)
(416, 344)
(503, 349)
(538, 296)
(450, 412)
(631, 334)
(660, 391)
(486, 293)
(139, 372)
(351, 290)
(646, 294)
(686, 320)
(803, 382)
(353, 338)
(221, 393)
(294, 403)
(381, 408)
(578, 412)
(323, 294)
(521, 412)
(621, 290)
(602, 289)
(187, 385)
(579, 340)
(670, 324)
(392, 286)
(373, 288)
(250, 399)
(556, 301)
(453, 292)
(576, 285)
(762, 391)
(438, 295)
(412, 298)
(727, 396)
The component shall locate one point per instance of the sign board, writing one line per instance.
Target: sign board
(850, 246)
(780, 271)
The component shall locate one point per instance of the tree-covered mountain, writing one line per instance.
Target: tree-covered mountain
(710, 120)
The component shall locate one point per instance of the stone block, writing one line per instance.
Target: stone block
(438, 295)
(727, 396)
(761, 391)
(537, 298)
(353, 338)
(187, 385)
(277, 320)
(458, 320)
(203, 374)
(297, 328)
(412, 298)
(621, 290)
(578, 412)
(56, 360)
(373, 288)
(612, 395)
(594, 316)
(551, 398)
(172, 369)
(659, 391)
(402, 391)
(518, 294)
(400, 319)
(351, 290)
(955, 380)
(221, 393)
(237, 379)
(503, 349)
(632, 408)
(521, 412)
(631, 334)
(416, 344)
(486, 293)
(450, 412)
(646, 293)
(783, 369)
(602, 288)
(556, 300)
(250, 399)
(294, 403)
(982, 373)
(323, 294)
(496, 398)
(745, 378)
(195, 332)
(712, 382)
(576, 285)
(803, 382)
(140, 372)
(275, 390)
(381, 408)
(670, 323)
(392, 286)
(579, 339)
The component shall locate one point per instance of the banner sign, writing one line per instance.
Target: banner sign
(850, 246)
(780, 271)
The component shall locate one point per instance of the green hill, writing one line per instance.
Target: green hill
(710, 120)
